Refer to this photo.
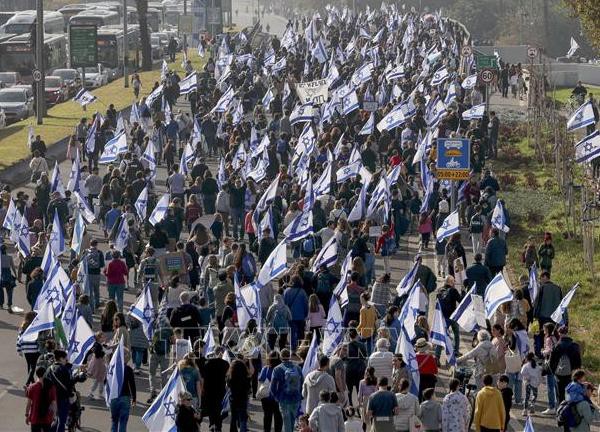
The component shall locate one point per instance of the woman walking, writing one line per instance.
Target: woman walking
(29, 350)
(272, 415)
(238, 381)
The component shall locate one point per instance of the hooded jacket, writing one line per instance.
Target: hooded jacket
(408, 405)
(327, 417)
(314, 383)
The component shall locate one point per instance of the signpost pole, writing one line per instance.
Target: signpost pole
(185, 30)
(452, 195)
(125, 47)
(487, 98)
(39, 59)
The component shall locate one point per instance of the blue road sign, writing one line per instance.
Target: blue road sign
(453, 158)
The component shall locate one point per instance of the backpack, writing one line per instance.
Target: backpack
(323, 284)
(93, 259)
(563, 368)
(308, 246)
(280, 320)
(160, 342)
(292, 386)
(150, 269)
(389, 246)
(567, 414)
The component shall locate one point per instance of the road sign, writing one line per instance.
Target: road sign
(485, 61)
(453, 158)
(83, 47)
(532, 52)
(467, 51)
(37, 75)
(487, 75)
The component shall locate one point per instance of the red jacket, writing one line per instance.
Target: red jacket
(427, 364)
(382, 238)
(116, 271)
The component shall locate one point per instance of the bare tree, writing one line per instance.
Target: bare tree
(142, 9)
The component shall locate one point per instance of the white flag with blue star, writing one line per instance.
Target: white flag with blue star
(348, 172)
(300, 227)
(464, 315)
(81, 340)
(327, 256)
(115, 374)
(392, 120)
(451, 94)
(11, 215)
(312, 356)
(82, 208)
(334, 332)
(143, 311)
(533, 285)
(499, 218)
(274, 266)
(369, 126)
(558, 316)
(496, 293)
(209, 342)
(160, 211)
(588, 148)
(360, 206)
(475, 112)
(407, 282)
(141, 204)
(449, 227)
(302, 113)
(439, 334)
(78, 231)
(583, 117)
(188, 84)
(24, 242)
(57, 237)
(469, 82)
(122, 239)
(323, 185)
(268, 98)
(404, 347)
(161, 415)
(439, 77)
(247, 305)
(44, 320)
(75, 174)
(56, 184)
(411, 309)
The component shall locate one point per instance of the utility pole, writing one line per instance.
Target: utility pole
(125, 46)
(39, 59)
(184, 29)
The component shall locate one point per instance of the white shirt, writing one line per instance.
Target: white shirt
(381, 361)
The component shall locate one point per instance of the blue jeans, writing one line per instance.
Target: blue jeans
(239, 416)
(515, 383)
(62, 412)
(531, 394)
(370, 266)
(116, 291)
(551, 383)
(298, 327)
(289, 412)
(119, 412)
(93, 290)
(138, 356)
(237, 220)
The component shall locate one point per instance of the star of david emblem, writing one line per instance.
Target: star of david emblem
(147, 313)
(252, 310)
(305, 141)
(579, 116)
(436, 75)
(300, 111)
(497, 220)
(111, 370)
(588, 146)
(24, 231)
(332, 325)
(389, 120)
(112, 150)
(74, 346)
(303, 223)
(52, 294)
(53, 237)
(69, 314)
(347, 171)
(169, 408)
(434, 111)
(445, 224)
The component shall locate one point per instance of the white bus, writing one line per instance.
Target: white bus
(97, 17)
(22, 22)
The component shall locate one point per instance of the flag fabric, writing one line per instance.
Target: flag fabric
(439, 334)
(209, 342)
(82, 208)
(164, 70)
(533, 285)
(369, 126)
(75, 174)
(319, 52)
(115, 374)
(113, 148)
(583, 117)
(201, 49)
(496, 293)
(528, 425)
(44, 320)
(312, 356)
(406, 283)
(11, 214)
(57, 236)
(439, 77)
(558, 316)
(475, 112)
(162, 413)
(143, 311)
(362, 75)
(404, 347)
(348, 172)
(188, 84)
(56, 184)
(360, 206)
(122, 239)
(141, 204)
(451, 94)
(572, 48)
(300, 227)
(160, 210)
(302, 113)
(340, 289)
(411, 309)
(151, 98)
(81, 341)
(588, 148)
(84, 97)
(499, 217)
(435, 111)
(392, 120)
(327, 256)
(334, 331)
(78, 231)
(224, 101)
(349, 103)
(469, 82)
(268, 98)
(120, 123)
(24, 242)
(279, 66)
(49, 260)
(449, 227)
(464, 314)
(323, 185)
(248, 305)
(69, 316)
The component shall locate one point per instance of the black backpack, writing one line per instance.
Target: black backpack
(568, 415)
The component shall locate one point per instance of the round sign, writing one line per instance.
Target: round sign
(487, 76)
(532, 52)
(37, 75)
(466, 50)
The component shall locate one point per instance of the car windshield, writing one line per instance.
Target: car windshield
(12, 96)
(66, 74)
(8, 78)
(155, 40)
(91, 70)
(52, 82)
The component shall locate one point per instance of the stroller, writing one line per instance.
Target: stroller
(75, 410)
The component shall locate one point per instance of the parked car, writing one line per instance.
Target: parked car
(71, 78)
(9, 79)
(56, 90)
(157, 50)
(17, 103)
(96, 76)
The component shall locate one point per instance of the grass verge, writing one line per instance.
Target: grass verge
(62, 118)
(562, 95)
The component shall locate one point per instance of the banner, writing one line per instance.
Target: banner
(313, 91)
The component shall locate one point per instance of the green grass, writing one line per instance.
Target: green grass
(536, 206)
(62, 118)
(562, 95)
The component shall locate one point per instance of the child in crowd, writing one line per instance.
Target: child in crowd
(507, 395)
(303, 424)
(532, 377)
(431, 412)
(181, 346)
(352, 424)
(96, 368)
(84, 309)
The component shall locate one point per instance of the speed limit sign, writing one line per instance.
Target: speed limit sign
(466, 50)
(532, 52)
(37, 75)
(487, 75)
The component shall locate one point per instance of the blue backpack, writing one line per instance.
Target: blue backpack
(292, 388)
(248, 267)
(308, 246)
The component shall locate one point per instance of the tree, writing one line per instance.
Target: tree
(588, 12)
(142, 10)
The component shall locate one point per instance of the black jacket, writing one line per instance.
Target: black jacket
(187, 317)
(566, 346)
(480, 275)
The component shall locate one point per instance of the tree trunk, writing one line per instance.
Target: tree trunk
(545, 17)
(142, 9)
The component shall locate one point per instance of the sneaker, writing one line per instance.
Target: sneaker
(524, 413)
(151, 398)
(10, 310)
(549, 412)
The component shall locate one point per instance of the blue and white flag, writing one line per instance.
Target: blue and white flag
(319, 51)
(496, 293)
(528, 425)
(113, 148)
(24, 242)
(222, 174)
(369, 126)
(302, 113)
(451, 95)
(327, 256)
(188, 84)
(248, 305)
(209, 342)
(164, 70)
(122, 239)
(464, 314)
(81, 341)
(11, 215)
(404, 347)
(134, 115)
(362, 75)
(280, 65)
(82, 207)
(162, 413)
(572, 48)
(475, 112)
(69, 314)
(469, 82)
(360, 206)
(57, 236)
(323, 185)
(154, 95)
(499, 218)
(224, 101)
(588, 148)
(49, 260)
(435, 111)
(439, 334)
(558, 316)
(395, 73)
(267, 197)
(201, 50)
(120, 123)
(411, 309)
(348, 172)
(300, 227)
(449, 227)
(84, 97)
(407, 282)
(533, 285)
(340, 290)
(312, 356)
(392, 120)
(78, 231)
(149, 156)
(267, 221)
(439, 77)
(143, 311)
(141, 204)
(44, 320)
(75, 174)
(334, 331)
(350, 103)
(115, 374)
(274, 266)
(584, 116)
(56, 184)
(160, 211)
(268, 98)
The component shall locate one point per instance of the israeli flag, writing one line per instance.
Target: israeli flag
(584, 116)
(558, 316)
(51, 291)
(319, 52)
(411, 309)
(574, 47)
(188, 84)
(24, 244)
(362, 75)
(300, 227)
(82, 208)
(78, 231)
(392, 120)
(149, 156)
(360, 206)
(323, 185)
(533, 285)
(44, 320)
(122, 239)
(120, 123)
(464, 315)
(439, 334)
(134, 114)
(407, 282)
(56, 184)
(156, 93)
(81, 341)
(588, 148)
(369, 126)
(166, 109)
(113, 148)
(435, 112)
(224, 101)
(267, 222)
(115, 374)
(69, 314)
(449, 227)
(160, 210)
(141, 204)
(340, 290)
(247, 305)
(350, 103)
(143, 311)
(209, 342)
(327, 255)
(404, 347)
(528, 425)
(439, 77)
(75, 174)
(162, 414)
(164, 70)
(11, 214)
(469, 82)
(309, 195)
(348, 172)
(259, 172)
(268, 98)
(57, 237)
(496, 293)
(499, 218)
(84, 97)
(267, 197)
(395, 73)
(475, 112)
(451, 95)
(222, 174)
(49, 260)
(312, 357)
(334, 331)
(279, 66)
(302, 113)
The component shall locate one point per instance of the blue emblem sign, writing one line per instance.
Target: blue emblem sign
(453, 158)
